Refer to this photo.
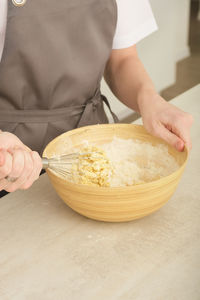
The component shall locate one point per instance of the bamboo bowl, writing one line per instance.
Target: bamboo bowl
(116, 204)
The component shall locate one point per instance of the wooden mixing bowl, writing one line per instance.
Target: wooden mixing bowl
(116, 204)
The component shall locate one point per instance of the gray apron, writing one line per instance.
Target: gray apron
(53, 61)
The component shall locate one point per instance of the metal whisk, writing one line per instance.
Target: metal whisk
(62, 164)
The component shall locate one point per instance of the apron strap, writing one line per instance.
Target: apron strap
(115, 118)
(40, 116)
(88, 113)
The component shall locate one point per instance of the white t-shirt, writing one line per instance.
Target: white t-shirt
(135, 22)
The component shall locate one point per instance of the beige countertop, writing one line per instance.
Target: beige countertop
(47, 251)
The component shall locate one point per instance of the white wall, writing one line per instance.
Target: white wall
(161, 50)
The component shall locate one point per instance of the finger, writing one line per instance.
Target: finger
(6, 167)
(181, 127)
(185, 136)
(17, 163)
(171, 138)
(184, 133)
(2, 157)
(28, 168)
(37, 167)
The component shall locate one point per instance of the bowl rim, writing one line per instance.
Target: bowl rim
(165, 179)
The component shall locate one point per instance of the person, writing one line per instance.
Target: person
(53, 57)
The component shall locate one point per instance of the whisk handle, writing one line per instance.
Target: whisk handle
(45, 163)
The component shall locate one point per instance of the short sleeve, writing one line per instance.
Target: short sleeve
(135, 21)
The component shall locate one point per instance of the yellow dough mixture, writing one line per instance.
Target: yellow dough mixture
(92, 168)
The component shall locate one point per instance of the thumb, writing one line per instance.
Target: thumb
(170, 138)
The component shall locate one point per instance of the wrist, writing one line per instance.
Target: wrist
(147, 98)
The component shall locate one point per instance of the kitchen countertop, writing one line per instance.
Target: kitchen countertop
(48, 251)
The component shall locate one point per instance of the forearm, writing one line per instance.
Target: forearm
(128, 79)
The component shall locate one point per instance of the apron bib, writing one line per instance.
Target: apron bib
(53, 61)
